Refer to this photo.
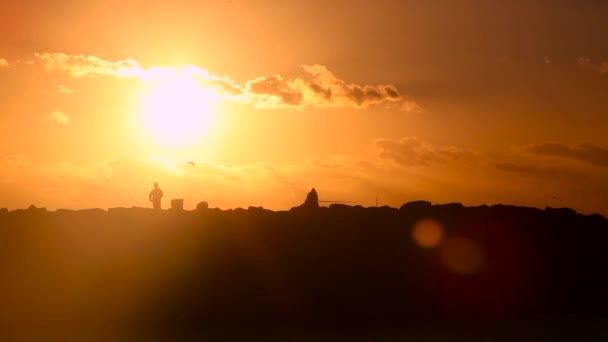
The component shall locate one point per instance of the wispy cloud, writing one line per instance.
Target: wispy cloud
(13, 162)
(89, 66)
(58, 117)
(411, 151)
(322, 89)
(63, 89)
(274, 91)
(584, 152)
(517, 167)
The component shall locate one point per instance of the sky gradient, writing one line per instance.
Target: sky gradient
(457, 101)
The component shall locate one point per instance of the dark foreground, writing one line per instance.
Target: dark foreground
(338, 273)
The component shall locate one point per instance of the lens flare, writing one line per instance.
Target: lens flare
(427, 233)
(462, 256)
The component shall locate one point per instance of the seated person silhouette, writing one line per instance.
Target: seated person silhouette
(312, 199)
(155, 195)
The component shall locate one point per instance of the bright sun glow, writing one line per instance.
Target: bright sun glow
(177, 111)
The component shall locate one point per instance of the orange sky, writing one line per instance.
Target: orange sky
(465, 101)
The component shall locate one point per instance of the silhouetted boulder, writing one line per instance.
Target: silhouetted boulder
(118, 210)
(416, 206)
(597, 218)
(3, 211)
(141, 210)
(448, 209)
(65, 211)
(383, 210)
(449, 206)
(92, 211)
(258, 210)
(561, 212)
(177, 204)
(34, 208)
(339, 207)
(202, 205)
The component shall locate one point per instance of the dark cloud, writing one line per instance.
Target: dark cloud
(317, 88)
(324, 89)
(517, 168)
(337, 92)
(584, 152)
(275, 87)
(391, 92)
(411, 151)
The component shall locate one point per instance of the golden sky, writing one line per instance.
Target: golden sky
(460, 101)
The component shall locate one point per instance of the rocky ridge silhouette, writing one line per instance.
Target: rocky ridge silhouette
(330, 268)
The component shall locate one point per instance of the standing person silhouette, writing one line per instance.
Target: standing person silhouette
(155, 195)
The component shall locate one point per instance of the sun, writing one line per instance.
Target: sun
(177, 111)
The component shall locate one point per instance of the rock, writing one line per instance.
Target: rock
(202, 205)
(561, 212)
(593, 217)
(34, 208)
(177, 204)
(339, 206)
(449, 206)
(65, 211)
(416, 206)
(118, 210)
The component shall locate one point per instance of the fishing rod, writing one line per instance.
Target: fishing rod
(336, 202)
(132, 198)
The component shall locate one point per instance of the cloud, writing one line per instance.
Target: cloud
(584, 152)
(89, 66)
(517, 167)
(322, 89)
(63, 89)
(411, 151)
(329, 91)
(3, 63)
(585, 63)
(58, 117)
(13, 162)
(273, 91)
(224, 85)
